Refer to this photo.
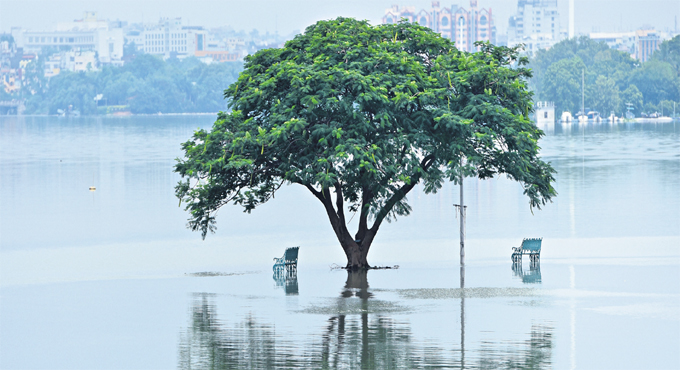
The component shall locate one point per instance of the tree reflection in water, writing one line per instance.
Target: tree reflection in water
(362, 343)
(355, 337)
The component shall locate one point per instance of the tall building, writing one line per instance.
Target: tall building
(536, 25)
(646, 42)
(464, 27)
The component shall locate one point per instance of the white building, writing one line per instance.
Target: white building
(536, 25)
(545, 113)
(235, 43)
(72, 60)
(136, 38)
(86, 34)
(622, 41)
(169, 37)
(640, 44)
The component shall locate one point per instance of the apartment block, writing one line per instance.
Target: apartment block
(536, 25)
(463, 26)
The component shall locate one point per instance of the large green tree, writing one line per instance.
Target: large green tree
(359, 115)
(669, 51)
(657, 80)
(561, 84)
(606, 96)
(632, 96)
(558, 73)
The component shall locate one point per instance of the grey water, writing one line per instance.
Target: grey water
(112, 279)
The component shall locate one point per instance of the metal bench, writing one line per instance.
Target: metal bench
(288, 261)
(531, 247)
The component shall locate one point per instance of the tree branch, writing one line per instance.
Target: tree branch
(401, 193)
(366, 197)
(339, 202)
(316, 193)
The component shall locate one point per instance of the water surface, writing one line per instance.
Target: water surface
(112, 279)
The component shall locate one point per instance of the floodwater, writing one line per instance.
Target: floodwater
(111, 279)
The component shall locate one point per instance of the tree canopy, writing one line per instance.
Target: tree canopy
(359, 115)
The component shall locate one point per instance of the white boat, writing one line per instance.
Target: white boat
(566, 117)
(594, 116)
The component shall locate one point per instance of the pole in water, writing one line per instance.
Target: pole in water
(462, 221)
(461, 208)
(462, 270)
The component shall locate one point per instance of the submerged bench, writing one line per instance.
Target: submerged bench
(531, 247)
(288, 261)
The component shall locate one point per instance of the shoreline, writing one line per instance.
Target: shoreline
(117, 115)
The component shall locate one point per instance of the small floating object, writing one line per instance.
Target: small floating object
(92, 188)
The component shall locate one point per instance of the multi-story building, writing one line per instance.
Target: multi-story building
(464, 27)
(169, 37)
(72, 60)
(646, 42)
(640, 44)
(87, 34)
(135, 37)
(622, 41)
(536, 25)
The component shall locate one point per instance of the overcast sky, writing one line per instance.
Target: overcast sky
(286, 16)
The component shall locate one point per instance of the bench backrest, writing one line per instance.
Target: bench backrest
(291, 254)
(532, 244)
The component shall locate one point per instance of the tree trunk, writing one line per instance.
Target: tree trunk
(356, 254)
(356, 249)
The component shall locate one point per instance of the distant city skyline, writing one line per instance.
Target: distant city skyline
(286, 16)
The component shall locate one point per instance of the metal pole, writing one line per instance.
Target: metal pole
(462, 270)
(461, 208)
(462, 329)
(462, 218)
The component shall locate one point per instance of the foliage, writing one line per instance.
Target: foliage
(669, 52)
(562, 84)
(130, 49)
(633, 96)
(612, 78)
(34, 86)
(7, 37)
(667, 107)
(657, 80)
(606, 96)
(4, 95)
(72, 89)
(364, 113)
(583, 48)
(34, 81)
(146, 84)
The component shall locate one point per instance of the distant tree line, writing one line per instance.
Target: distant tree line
(146, 84)
(612, 77)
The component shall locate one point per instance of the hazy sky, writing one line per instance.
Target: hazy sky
(285, 16)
